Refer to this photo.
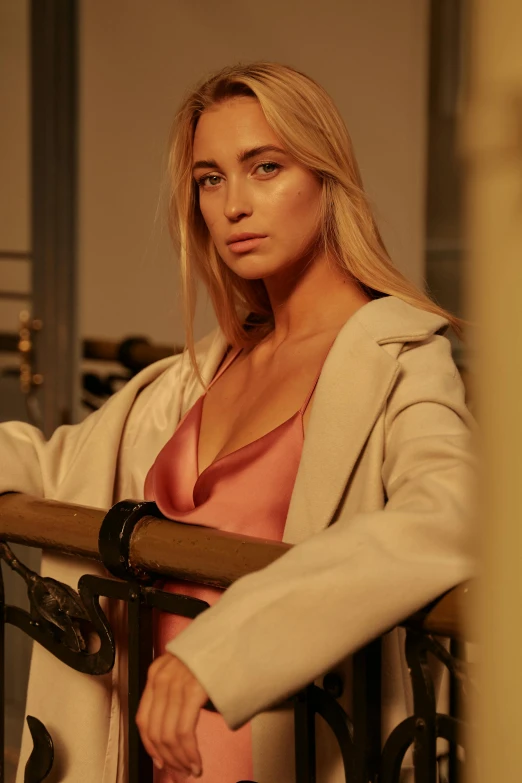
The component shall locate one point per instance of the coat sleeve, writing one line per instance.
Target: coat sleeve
(278, 629)
(32, 464)
(29, 463)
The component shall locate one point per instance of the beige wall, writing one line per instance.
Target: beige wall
(137, 59)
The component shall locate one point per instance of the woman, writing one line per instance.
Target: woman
(337, 423)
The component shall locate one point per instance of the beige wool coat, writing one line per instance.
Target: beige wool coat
(381, 515)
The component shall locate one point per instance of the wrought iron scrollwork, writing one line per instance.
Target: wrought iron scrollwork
(422, 729)
(308, 703)
(40, 762)
(60, 618)
(53, 604)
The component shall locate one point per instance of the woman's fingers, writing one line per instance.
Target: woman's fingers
(168, 714)
(149, 717)
(178, 744)
(194, 699)
(145, 708)
(179, 729)
(166, 700)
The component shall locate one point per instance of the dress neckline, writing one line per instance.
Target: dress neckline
(299, 413)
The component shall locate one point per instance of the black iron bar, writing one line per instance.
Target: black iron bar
(2, 676)
(140, 650)
(425, 709)
(367, 711)
(304, 730)
(457, 651)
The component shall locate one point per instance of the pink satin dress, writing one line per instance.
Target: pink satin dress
(246, 491)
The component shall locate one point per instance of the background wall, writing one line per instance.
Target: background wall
(138, 59)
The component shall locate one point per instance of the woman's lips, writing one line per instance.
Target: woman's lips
(245, 244)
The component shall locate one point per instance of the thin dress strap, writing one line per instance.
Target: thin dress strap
(224, 366)
(309, 395)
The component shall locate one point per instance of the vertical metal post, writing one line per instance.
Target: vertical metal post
(54, 166)
(367, 711)
(425, 709)
(457, 650)
(140, 657)
(2, 676)
(304, 731)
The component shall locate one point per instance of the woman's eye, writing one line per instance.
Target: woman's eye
(202, 182)
(277, 166)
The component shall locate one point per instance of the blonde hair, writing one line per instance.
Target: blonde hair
(304, 117)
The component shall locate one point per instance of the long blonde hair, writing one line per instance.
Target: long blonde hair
(304, 117)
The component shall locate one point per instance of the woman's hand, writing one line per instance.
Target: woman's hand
(168, 715)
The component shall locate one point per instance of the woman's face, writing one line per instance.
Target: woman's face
(243, 189)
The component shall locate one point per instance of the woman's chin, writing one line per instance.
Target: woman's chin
(251, 268)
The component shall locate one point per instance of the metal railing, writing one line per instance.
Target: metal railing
(137, 546)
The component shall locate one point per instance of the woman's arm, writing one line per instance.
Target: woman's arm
(79, 461)
(29, 463)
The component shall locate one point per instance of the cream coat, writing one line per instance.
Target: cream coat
(387, 458)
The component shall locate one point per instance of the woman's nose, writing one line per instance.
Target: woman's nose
(237, 202)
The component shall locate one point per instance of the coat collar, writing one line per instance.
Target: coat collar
(392, 320)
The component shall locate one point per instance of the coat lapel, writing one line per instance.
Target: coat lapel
(357, 379)
(355, 382)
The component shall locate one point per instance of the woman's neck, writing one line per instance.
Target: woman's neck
(316, 298)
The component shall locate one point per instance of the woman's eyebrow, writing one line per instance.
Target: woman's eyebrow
(241, 157)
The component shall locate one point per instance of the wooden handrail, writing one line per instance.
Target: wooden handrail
(179, 551)
(161, 546)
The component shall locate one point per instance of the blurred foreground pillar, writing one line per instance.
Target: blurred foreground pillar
(492, 141)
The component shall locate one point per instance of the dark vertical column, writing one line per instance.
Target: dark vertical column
(2, 676)
(367, 711)
(304, 729)
(140, 657)
(457, 650)
(54, 174)
(424, 708)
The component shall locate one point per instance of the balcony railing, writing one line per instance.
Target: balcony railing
(138, 546)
